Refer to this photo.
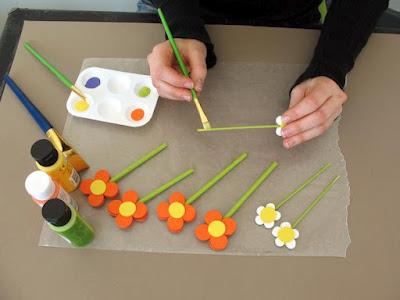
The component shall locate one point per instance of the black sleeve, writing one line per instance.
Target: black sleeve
(348, 25)
(183, 17)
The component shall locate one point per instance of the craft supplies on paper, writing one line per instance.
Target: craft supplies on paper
(52, 162)
(104, 186)
(286, 234)
(131, 208)
(42, 188)
(58, 141)
(67, 222)
(184, 69)
(179, 210)
(217, 228)
(122, 98)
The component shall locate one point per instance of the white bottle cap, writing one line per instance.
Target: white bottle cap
(40, 185)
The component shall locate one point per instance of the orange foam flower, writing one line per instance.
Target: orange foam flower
(216, 230)
(176, 212)
(99, 188)
(127, 210)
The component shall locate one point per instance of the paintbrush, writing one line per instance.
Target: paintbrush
(58, 141)
(55, 71)
(184, 70)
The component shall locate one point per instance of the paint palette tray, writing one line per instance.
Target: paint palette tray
(122, 98)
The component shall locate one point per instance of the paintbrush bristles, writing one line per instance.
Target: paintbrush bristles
(203, 117)
(78, 92)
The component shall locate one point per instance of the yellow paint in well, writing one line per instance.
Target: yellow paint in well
(268, 215)
(176, 210)
(286, 234)
(81, 105)
(216, 228)
(127, 209)
(98, 187)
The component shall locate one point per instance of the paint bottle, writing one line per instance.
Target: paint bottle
(42, 188)
(51, 161)
(67, 222)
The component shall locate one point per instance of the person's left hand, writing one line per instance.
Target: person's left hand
(314, 105)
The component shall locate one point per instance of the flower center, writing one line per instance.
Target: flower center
(268, 215)
(176, 210)
(127, 209)
(216, 228)
(98, 187)
(286, 234)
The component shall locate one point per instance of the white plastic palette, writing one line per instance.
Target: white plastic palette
(115, 97)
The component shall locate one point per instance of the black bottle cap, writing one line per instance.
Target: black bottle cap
(56, 212)
(44, 153)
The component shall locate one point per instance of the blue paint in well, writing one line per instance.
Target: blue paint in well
(92, 83)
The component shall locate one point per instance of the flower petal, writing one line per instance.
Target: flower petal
(218, 243)
(96, 200)
(259, 209)
(291, 245)
(162, 210)
(113, 207)
(201, 232)
(269, 225)
(278, 215)
(131, 196)
(175, 225)
(177, 197)
(142, 219)
(270, 205)
(123, 222)
(279, 243)
(275, 231)
(285, 224)
(190, 213)
(296, 233)
(112, 190)
(85, 186)
(258, 220)
(212, 215)
(230, 226)
(141, 210)
(102, 175)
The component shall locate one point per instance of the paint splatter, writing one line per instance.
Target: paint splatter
(144, 92)
(92, 83)
(137, 114)
(81, 105)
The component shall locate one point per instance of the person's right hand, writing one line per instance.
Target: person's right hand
(165, 72)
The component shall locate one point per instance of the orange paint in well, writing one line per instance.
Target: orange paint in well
(137, 114)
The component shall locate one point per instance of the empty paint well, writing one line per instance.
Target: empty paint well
(110, 108)
(119, 84)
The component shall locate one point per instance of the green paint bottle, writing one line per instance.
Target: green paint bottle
(66, 221)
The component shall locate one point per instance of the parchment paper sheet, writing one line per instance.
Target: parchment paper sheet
(235, 93)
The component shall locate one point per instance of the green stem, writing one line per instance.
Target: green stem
(303, 186)
(239, 127)
(138, 163)
(264, 175)
(216, 178)
(166, 186)
(315, 202)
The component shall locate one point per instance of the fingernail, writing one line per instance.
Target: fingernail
(286, 132)
(188, 84)
(285, 119)
(199, 85)
(188, 98)
(287, 144)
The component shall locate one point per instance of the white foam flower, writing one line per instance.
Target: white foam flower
(267, 215)
(285, 235)
(280, 123)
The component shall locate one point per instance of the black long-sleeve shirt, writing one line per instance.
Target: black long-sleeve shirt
(347, 27)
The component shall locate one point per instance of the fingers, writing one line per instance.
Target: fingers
(168, 91)
(331, 108)
(297, 94)
(198, 69)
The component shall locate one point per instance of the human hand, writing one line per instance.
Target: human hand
(165, 72)
(314, 105)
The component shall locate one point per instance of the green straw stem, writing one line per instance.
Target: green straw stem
(303, 186)
(138, 163)
(264, 175)
(166, 186)
(216, 178)
(315, 202)
(240, 127)
(48, 65)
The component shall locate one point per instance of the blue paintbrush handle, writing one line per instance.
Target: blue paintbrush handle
(43, 123)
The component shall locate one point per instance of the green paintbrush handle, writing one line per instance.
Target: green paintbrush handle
(49, 66)
(216, 178)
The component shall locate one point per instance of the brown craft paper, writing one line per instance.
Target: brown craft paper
(236, 93)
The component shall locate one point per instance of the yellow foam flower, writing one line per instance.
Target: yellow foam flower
(267, 215)
(285, 235)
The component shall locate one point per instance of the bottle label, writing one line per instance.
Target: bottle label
(74, 178)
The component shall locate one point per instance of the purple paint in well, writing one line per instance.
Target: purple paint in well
(92, 83)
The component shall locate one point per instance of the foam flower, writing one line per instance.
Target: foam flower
(216, 230)
(127, 210)
(281, 124)
(176, 212)
(267, 215)
(99, 188)
(285, 235)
